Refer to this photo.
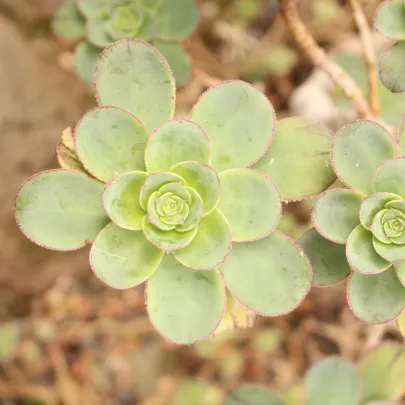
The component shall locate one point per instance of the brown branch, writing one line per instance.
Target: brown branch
(320, 59)
(369, 54)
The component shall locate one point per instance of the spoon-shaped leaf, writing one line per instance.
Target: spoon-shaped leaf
(372, 205)
(111, 141)
(333, 381)
(61, 209)
(358, 149)
(389, 19)
(252, 394)
(392, 67)
(85, 59)
(184, 305)
(97, 30)
(383, 373)
(400, 269)
(68, 22)
(251, 203)
(299, 159)
(134, 75)
(328, 259)
(376, 298)
(174, 142)
(390, 177)
(336, 213)
(240, 122)
(122, 258)
(271, 276)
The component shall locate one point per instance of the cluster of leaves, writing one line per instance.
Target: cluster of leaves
(390, 22)
(189, 205)
(377, 380)
(95, 24)
(363, 228)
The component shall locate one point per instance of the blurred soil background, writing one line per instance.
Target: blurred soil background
(67, 339)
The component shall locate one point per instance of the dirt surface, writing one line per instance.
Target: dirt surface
(37, 101)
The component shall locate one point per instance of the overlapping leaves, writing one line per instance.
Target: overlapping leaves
(101, 22)
(363, 228)
(184, 205)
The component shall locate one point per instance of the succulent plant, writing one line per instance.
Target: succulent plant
(188, 205)
(95, 24)
(390, 21)
(376, 380)
(363, 228)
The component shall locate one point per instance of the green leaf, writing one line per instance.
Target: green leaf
(203, 179)
(361, 254)
(184, 305)
(376, 298)
(371, 205)
(333, 381)
(61, 209)
(122, 258)
(110, 141)
(392, 67)
(336, 213)
(389, 19)
(299, 159)
(91, 7)
(149, 28)
(211, 244)
(271, 276)
(400, 269)
(169, 240)
(175, 142)
(383, 373)
(401, 136)
(196, 211)
(68, 22)
(358, 149)
(177, 19)
(377, 227)
(133, 75)
(125, 21)
(251, 203)
(390, 252)
(239, 121)
(252, 394)
(328, 259)
(85, 59)
(97, 30)
(390, 177)
(154, 182)
(121, 200)
(178, 59)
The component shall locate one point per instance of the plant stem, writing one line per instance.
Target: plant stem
(319, 58)
(369, 54)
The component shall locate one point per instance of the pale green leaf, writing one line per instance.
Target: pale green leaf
(390, 252)
(371, 205)
(68, 22)
(390, 177)
(61, 209)
(122, 258)
(121, 200)
(175, 142)
(392, 67)
(389, 19)
(333, 381)
(376, 298)
(97, 30)
(85, 58)
(361, 254)
(196, 211)
(240, 122)
(203, 179)
(328, 259)
(91, 7)
(400, 269)
(271, 276)
(383, 372)
(184, 305)
(358, 149)
(133, 75)
(251, 203)
(111, 141)
(211, 244)
(299, 159)
(336, 213)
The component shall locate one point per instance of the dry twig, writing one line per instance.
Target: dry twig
(319, 58)
(369, 54)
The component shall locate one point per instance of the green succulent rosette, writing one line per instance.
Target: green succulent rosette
(362, 228)
(189, 206)
(95, 24)
(389, 20)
